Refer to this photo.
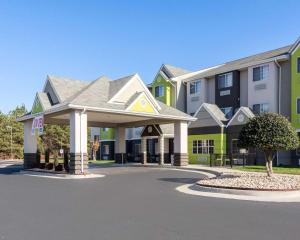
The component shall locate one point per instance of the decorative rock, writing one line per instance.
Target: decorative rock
(255, 181)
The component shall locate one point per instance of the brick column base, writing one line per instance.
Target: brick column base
(75, 163)
(31, 160)
(181, 159)
(118, 158)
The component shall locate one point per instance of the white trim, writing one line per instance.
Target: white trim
(295, 46)
(220, 123)
(53, 88)
(241, 109)
(112, 99)
(136, 77)
(106, 110)
(148, 93)
(141, 94)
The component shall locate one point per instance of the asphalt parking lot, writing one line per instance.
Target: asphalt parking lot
(133, 203)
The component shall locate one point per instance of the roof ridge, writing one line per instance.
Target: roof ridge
(76, 95)
(256, 54)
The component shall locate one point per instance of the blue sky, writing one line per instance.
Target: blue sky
(88, 39)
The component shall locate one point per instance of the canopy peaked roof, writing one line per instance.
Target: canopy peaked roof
(127, 95)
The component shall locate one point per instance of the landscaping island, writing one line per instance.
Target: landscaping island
(253, 181)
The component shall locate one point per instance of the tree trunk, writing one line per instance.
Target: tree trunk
(269, 162)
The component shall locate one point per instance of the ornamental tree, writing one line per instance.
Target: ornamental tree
(269, 133)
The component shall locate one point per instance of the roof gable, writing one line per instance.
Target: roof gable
(241, 117)
(295, 46)
(206, 113)
(172, 71)
(131, 87)
(141, 103)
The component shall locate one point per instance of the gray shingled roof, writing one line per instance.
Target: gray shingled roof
(66, 87)
(94, 95)
(216, 111)
(117, 84)
(175, 71)
(44, 100)
(97, 94)
(238, 64)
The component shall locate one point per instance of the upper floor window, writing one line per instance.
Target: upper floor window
(298, 105)
(260, 73)
(225, 80)
(159, 91)
(195, 87)
(228, 111)
(260, 108)
(298, 64)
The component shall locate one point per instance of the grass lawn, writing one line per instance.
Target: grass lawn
(102, 161)
(282, 170)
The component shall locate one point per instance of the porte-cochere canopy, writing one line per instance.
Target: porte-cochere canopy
(120, 104)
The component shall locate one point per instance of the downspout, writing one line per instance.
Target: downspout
(279, 96)
(81, 152)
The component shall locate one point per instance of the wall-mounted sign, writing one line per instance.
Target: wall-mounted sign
(225, 92)
(202, 159)
(38, 125)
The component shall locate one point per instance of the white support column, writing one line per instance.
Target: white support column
(180, 144)
(161, 140)
(144, 150)
(78, 142)
(120, 145)
(30, 147)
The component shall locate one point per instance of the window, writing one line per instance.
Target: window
(298, 64)
(298, 105)
(203, 146)
(228, 111)
(225, 80)
(195, 87)
(260, 108)
(192, 114)
(159, 91)
(260, 73)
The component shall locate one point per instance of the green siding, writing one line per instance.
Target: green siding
(167, 98)
(109, 134)
(219, 146)
(295, 86)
